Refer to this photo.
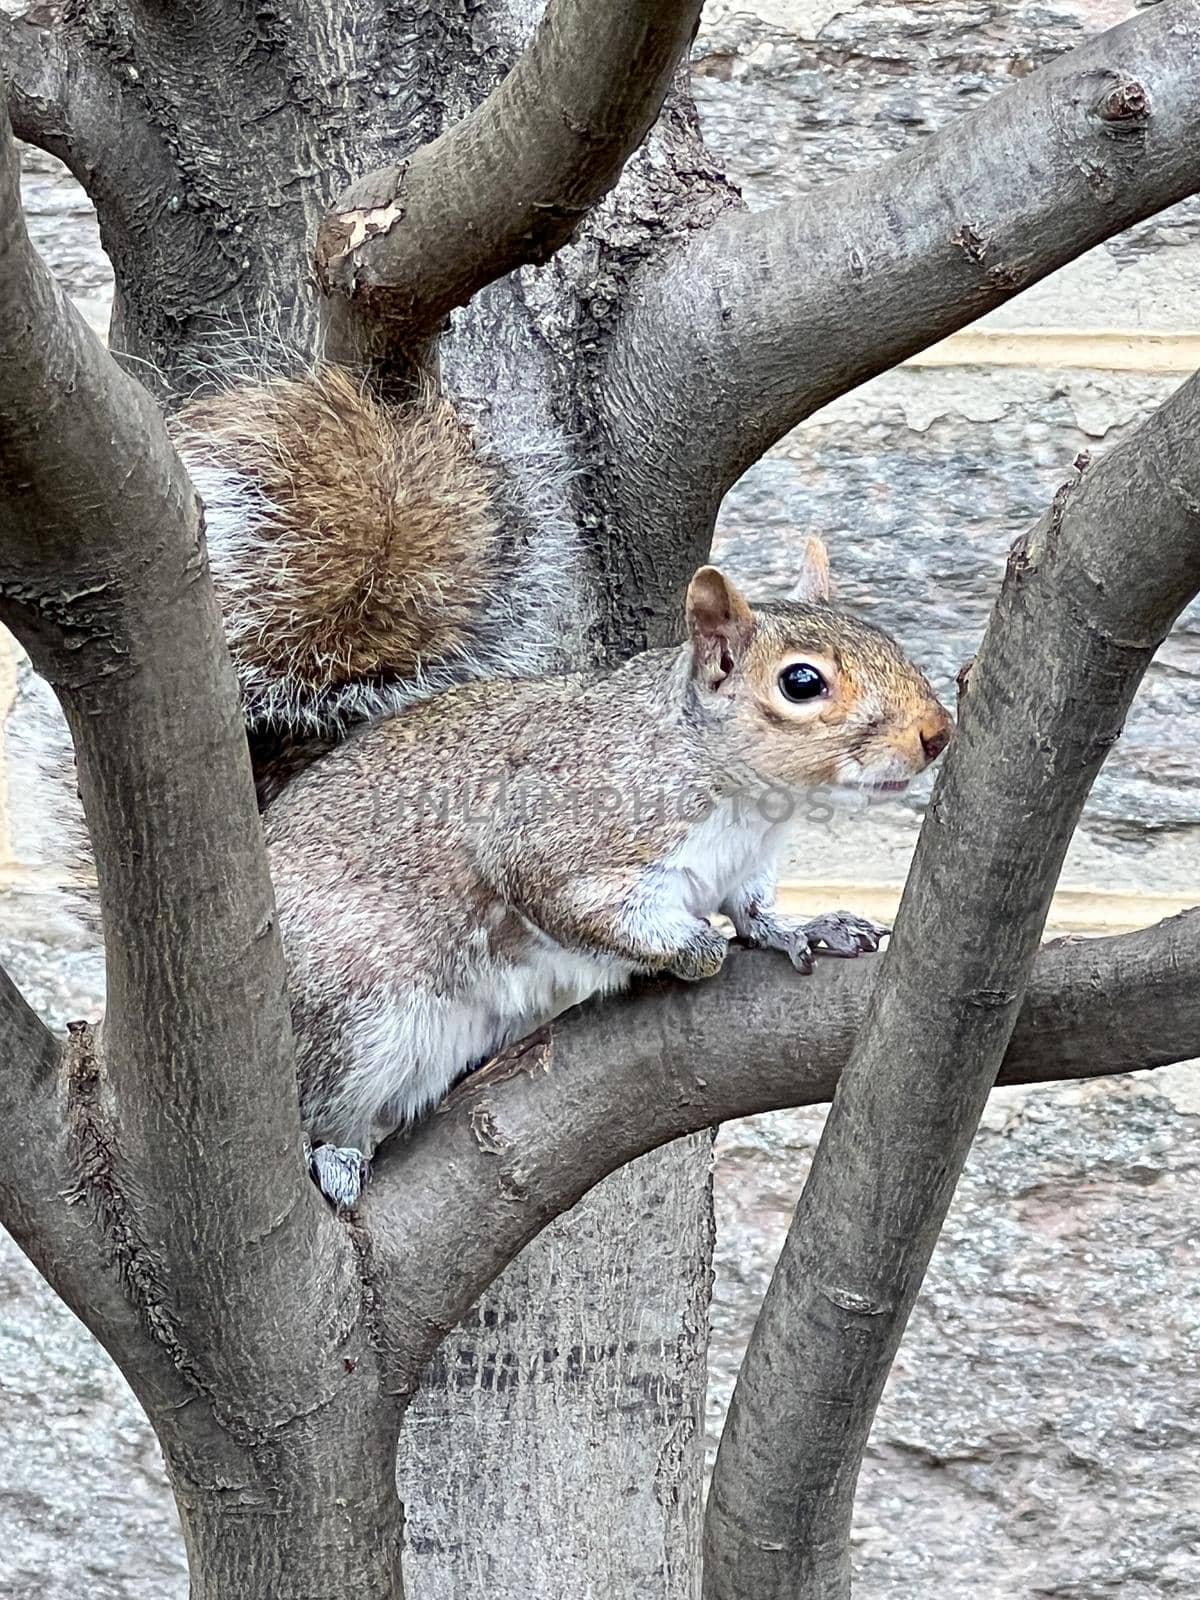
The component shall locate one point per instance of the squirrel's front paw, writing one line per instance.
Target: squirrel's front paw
(841, 933)
(702, 957)
(340, 1173)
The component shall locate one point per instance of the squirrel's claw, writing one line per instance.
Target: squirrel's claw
(800, 951)
(340, 1173)
(759, 926)
(841, 933)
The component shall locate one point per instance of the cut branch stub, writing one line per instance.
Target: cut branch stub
(1127, 102)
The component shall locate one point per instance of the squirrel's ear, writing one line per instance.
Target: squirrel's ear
(812, 580)
(720, 623)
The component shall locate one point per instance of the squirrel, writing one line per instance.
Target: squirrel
(462, 844)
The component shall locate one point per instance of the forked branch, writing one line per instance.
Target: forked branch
(508, 185)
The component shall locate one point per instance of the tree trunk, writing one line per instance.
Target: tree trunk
(583, 1375)
(556, 1447)
(319, 1522)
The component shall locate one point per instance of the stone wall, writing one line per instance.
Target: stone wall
(921, 479)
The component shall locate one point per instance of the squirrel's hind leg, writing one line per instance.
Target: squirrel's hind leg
(339, 1171)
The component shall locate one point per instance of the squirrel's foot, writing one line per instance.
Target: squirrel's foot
(701, 957)
(340, 1173)
(836, 933)
(758, 926)
(841, 933)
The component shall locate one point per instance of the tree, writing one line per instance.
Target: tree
(152, 1170)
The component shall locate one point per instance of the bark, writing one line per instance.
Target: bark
(763, 318)
(32, 1059)
(324, 1523)
(612, 1080)
(1089, 595)
(36, 73)
(507, 186)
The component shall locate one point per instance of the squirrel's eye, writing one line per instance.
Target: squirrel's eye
(801, 682)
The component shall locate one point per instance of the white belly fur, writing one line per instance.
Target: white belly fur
(734, 845)
(413, 1044)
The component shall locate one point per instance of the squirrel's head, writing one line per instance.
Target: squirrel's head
(807, 694)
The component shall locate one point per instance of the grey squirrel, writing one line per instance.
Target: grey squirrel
(477, 849)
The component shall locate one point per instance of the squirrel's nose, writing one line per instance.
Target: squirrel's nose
(935, 736)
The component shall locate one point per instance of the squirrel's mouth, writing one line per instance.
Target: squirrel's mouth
(885, 789)
(868, 790)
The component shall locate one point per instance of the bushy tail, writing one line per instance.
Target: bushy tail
(360, 550)
(365, 555)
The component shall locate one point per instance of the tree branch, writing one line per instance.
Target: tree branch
(28, 1116)
(1089, 595)
(35, 64)
(39, 1190)
(508, 185)
(763, 318)
(449, 1207)
(191, 1118)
